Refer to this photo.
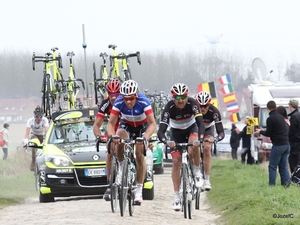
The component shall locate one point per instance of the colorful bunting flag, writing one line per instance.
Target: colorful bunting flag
(225, 79)
(235, 117)
(227, 89)
(209, 87)
(230, 98)
(233, 107)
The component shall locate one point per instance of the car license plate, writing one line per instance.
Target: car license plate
(94, 172)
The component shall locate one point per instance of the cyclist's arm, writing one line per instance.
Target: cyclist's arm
(200, 124)
(27, 132)
(96, 127)
(220, 131)
(151, 126)
(113, 119)
(161, 132)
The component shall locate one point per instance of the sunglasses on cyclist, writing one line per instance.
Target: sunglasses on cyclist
(39, 116)
(129, 98)
(113, 94)
(180, 97)
(204, 106)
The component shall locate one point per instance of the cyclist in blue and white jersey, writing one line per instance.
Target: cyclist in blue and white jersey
(137, 120)
(184, 117)
(212, 118)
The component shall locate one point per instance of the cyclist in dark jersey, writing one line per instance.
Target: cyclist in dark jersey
(211, 118)
(113, 90)
(137, 120)
(184, 117)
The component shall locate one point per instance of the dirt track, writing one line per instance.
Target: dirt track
(97, 211)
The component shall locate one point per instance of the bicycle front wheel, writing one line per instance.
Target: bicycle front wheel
(124, 187)
(186, 192)
(113, 185)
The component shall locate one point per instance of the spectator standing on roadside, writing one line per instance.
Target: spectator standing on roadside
(246, 144)
(277, 130)
(234, 141)
(6, 139)
(294, 134)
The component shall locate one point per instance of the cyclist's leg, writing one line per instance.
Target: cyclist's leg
(108, 169)
(177, 136)
(209, 133)
(140, 162)
(123, 134)
(33, 150)
(194, 153)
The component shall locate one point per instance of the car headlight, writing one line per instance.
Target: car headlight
(58, 160)
(266, 145)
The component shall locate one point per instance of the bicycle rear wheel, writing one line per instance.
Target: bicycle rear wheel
(113, 185)
(124, 187)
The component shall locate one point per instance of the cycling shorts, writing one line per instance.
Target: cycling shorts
(133, 132)
(209, 132)
(182, 136)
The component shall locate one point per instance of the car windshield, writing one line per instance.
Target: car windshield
(72, 132)
(264, 114)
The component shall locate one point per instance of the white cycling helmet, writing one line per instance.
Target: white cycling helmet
(129, 87)
(203, 98)
(179, 89)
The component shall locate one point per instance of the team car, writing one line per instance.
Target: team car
(67, 162)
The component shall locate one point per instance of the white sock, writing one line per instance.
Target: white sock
(177, 195)
(206, 177)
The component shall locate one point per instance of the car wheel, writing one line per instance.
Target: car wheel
(148, 194)
(37, 179)
(46, 198)
(159, 169)
(148, 189)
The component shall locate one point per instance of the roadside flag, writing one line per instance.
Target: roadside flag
(235, 117)
(214, 101)
(227, 89)
(230, 98)
(225, 79)
(209, 87)
(233, 107)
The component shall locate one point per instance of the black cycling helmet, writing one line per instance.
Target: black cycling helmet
(38, 111)
(6, 125)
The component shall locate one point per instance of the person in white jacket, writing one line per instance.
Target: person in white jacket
(6, 139)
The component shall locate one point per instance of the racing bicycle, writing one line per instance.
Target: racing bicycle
(51, 89)
(100, 83)
(71, 87)
(124, 58)
(188, 189)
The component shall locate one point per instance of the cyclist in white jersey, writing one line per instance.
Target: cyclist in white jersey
(36, 127)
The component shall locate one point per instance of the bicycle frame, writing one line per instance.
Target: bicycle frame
(100, 83)
(72, 86)
(114, 63)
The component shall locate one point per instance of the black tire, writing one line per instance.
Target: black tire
(159, 169)
(46, 198)
(113, 185)
(124, 188)
(184, 177)
(148, 194)
(95, 83)
(197, 198)
(127, 74)
(36, 178)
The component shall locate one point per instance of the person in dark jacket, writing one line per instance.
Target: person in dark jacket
(294, 134)
(277, 130)
(246, 144)
(234, 141)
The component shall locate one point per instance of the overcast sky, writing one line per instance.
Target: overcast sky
(258, 28)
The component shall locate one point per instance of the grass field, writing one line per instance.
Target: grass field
(16, 180)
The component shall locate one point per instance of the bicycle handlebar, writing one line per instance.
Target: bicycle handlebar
(124, 56)
(47, 58)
